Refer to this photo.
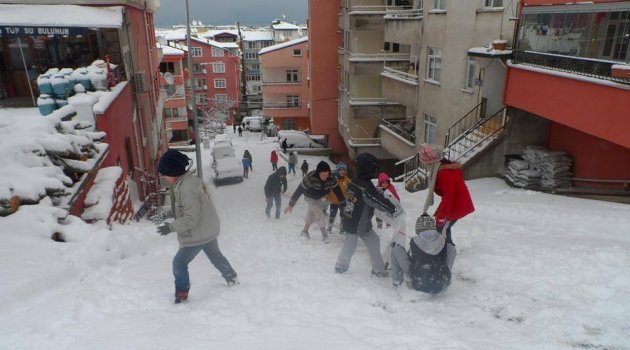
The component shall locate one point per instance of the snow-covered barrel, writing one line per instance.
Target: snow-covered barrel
(44, 85)
(60, 85)
(45, 104)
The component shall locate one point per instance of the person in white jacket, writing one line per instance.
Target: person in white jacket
(196, 222)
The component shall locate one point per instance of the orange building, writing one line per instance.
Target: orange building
(284, 75)
(561, 74)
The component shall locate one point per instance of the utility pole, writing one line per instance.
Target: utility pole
(243, 87)
(192, 97)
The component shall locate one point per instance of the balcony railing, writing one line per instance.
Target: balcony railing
(577, 65)
(397, 13)
(367, 8)
(401, 73)
(395, 126)
(378, 56)
(281, 82)
(279, 105)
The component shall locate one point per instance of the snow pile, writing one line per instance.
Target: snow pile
(541, 167)
(43, 156)
(100, 199)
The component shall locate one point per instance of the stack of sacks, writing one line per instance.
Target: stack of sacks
(520, 174)
(554, 166)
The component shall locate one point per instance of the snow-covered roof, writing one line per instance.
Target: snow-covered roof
(171, 51)
(284, 26)
(214, 32)
(283, 45)
(488, 52)
(61, 15)
(258, 35)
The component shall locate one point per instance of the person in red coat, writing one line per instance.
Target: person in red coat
(274, 160)
(446, 179)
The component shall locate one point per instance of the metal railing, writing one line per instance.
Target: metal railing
(281, 105)
(403, 13)
(475, 138)
(378, 56)
(465, 123)
(589, 67)
(394, 126)
(402, 73)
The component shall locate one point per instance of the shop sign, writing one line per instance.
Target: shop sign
(14, 31)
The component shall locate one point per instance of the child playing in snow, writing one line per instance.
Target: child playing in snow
(196, 222)
(385, 185)
(342, 181)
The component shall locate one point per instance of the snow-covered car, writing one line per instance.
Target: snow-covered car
(222, 149)
(298, 139)
(228, 168)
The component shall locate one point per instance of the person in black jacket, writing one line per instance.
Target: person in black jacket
(276, 184)
(356, 216)
(251, 161)
(315, 186)
(304, 168)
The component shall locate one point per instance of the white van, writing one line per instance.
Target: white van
(253, 123)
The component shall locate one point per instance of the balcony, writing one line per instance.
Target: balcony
(403, 26)
(282, 105)
(377, 56)
(396, 138)
(588, 67)
(272, 83)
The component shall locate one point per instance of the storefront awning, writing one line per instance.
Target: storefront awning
(56, 20)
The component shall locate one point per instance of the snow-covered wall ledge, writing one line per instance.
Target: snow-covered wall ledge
(107, 98)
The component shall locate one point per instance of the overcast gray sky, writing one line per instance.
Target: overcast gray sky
(256, 12)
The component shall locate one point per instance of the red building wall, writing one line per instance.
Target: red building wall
(562, 2)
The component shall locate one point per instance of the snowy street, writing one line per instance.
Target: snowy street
(533, 271)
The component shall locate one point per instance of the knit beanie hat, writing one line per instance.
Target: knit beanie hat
(173, 163)
(430, 242)
(339, 167)
(322, 166)
(430, 154)
(425, 222)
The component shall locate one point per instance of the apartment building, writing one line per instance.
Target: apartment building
(561, 80)
(172, 84)
(253, 42)
(284, 72)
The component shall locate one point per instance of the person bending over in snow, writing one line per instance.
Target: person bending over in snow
(275, 185)
(315, 186)
(427, 266)
(356, 216)
(196, 222)
(446, 178)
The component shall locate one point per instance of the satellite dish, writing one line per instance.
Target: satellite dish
(168, 76)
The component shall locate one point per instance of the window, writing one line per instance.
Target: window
(251, 55)
(469, 84)
(493, 3)
(219, 83)
(220, 98)
(297, 52)
(175, 113)
(293, 75)
(171, 112)
(218, 67)
(293, 101)
(434, 63)
(217, 52)
(196, 52)
(201, 99)
(256, 88)
(167, 113)
(253, 77)
(440, 5)
(200, 84)
(288, 124)
(430, 129)
(167, 67)
(253, 66)
(197, 68)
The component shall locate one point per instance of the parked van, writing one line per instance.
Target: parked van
(253, 123)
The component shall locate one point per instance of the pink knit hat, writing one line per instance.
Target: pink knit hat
(430, 154)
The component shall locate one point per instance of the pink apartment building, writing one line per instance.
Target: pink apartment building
(284, 75)
(216, 75)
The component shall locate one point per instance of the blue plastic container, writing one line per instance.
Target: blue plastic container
(46, 104)
(60, 86)
(44, 85)
(61, 102)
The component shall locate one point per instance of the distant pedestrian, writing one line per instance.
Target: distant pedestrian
(274, 160)
(275, 185)
(284, 146)
(304, 168)
(196, 222)
(246, 165)
(234, 127)
(293, 159)
(251, 161)
(240, 131)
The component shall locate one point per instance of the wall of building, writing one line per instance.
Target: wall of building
(323, 26)
(560, 2)
(593, 157)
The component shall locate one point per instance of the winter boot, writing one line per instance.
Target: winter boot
(305, 235)
(181, 296)
(380, 274)
(232, 280)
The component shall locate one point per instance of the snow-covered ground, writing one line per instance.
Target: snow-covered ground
(534, 271)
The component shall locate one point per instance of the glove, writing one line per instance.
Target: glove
(164, 229)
